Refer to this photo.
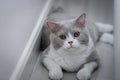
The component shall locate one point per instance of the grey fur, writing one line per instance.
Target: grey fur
(45, 40)
(93, 57)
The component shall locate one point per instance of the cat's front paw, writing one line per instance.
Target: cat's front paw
(56, 75)
(83, 74)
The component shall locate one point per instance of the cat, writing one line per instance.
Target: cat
(71, 46)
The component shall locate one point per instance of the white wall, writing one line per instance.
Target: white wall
(17, 20)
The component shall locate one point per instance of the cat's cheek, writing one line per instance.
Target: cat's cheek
(66, 46)
(76, 44)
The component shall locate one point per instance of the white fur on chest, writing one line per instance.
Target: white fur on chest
(70, 61)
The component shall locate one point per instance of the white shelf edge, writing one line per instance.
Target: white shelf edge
(35, 33)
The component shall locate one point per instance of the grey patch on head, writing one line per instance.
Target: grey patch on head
(84, 39)
(57, 43)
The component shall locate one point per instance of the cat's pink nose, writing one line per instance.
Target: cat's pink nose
(70, 42)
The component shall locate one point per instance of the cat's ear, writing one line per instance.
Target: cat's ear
(81, 20)
(53, 27)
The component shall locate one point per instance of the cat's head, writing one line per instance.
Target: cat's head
(69, 34)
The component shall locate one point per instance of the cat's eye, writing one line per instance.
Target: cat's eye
(62, 37)
(76, 34)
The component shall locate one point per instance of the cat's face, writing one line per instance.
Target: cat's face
(69, 34)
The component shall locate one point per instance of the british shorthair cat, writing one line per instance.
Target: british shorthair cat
(71, 46)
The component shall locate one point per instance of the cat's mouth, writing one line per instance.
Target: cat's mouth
(71, 47)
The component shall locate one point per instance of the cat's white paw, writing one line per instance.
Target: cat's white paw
(56, 74)
(83, 74)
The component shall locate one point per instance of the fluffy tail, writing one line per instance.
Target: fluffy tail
(104, 27)
(107, 38)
